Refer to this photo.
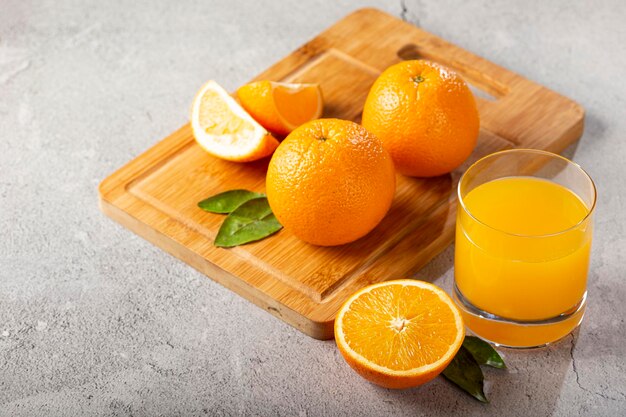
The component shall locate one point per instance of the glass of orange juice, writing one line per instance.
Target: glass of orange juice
(523, 238)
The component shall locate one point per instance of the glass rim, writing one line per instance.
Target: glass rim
(540, 152)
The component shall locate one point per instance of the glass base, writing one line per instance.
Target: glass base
(519, 334)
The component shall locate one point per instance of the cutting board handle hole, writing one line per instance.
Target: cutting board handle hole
(479, 92)
(480, 89)
(410, 51)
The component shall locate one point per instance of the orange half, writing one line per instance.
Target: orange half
(399, 334)
(281, 107)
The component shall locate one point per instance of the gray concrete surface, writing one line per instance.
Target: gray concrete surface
(96, 321)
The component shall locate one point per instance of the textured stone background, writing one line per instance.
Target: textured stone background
(96, 321)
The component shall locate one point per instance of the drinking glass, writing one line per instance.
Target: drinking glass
(523, 238)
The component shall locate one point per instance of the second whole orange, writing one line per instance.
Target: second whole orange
(425, 115)
(330, 182)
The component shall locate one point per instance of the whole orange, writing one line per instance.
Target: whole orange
(425, 115)
(330, 182)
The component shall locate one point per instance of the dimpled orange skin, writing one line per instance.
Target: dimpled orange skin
(330, 182)
(425, 115)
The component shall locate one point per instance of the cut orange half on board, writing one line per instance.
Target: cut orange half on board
(224, 129)
(399, 334)
(281, 107)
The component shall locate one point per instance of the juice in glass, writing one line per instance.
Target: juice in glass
(522, 248)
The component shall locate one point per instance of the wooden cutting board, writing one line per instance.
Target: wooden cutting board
(155, 195)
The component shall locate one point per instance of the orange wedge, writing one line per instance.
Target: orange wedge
(224, 129)
(399, 334)
(281, 107)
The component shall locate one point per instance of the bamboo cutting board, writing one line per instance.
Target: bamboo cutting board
(155, 195)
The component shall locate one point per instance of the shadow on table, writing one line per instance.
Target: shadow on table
(530, 386)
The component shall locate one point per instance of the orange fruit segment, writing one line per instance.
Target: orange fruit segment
(330, 182)
(224, 129)
(281, 107)
(425, 115)
(399, 334)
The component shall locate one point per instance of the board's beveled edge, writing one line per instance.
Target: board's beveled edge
(322, 330)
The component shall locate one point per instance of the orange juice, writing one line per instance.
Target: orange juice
(522, 255)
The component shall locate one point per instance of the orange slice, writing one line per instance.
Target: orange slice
(224, 129)
(281, 107)
(399, 334)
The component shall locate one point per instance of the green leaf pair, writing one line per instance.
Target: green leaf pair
(464, 370)
(249, 219)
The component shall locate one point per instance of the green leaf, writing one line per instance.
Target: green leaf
(465, 372)
(483, 352)
(227, 201)
(251, 221)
